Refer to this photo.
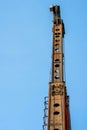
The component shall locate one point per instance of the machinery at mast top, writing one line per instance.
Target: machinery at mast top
(57, 16)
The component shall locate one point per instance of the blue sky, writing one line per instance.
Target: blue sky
(25, 61)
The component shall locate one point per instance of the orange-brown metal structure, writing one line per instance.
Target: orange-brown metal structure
(56, 112)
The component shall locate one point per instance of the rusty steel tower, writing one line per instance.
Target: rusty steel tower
(56, 111)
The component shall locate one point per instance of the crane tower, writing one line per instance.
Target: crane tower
(56, 111)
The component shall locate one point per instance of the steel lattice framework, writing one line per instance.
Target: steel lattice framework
(56, 111)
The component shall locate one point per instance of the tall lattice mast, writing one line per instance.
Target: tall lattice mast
(56, 112)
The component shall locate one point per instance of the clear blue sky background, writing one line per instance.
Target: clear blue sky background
(25, 61)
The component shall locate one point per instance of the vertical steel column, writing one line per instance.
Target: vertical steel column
(56, 105)
(57, 89)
